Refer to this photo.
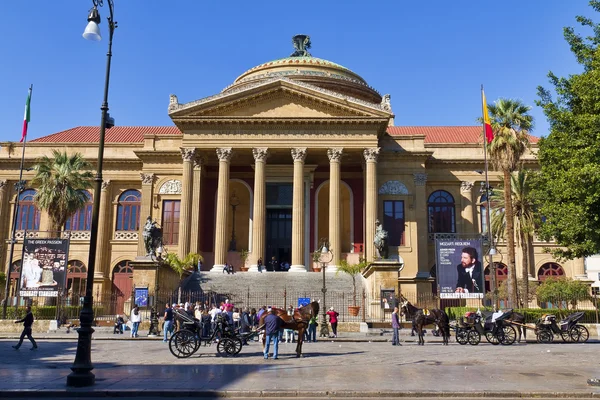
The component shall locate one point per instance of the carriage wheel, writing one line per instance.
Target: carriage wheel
(229, 346)
(566, 336)
(474, 338)
(493, 339)
(579, 334)
(183, 344)
(462, 336)
(509, 335)
(545, 336)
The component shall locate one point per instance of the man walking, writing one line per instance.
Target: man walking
(396, 328)
(168, 322)
(272, 326)
(27, 322)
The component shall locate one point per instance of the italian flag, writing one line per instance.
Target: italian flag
(489, 133)
(27, 116)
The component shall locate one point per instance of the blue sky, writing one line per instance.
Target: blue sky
(431, 56)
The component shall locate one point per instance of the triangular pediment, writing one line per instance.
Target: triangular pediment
(278, 99)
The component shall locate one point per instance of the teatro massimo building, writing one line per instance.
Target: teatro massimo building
(292, 151)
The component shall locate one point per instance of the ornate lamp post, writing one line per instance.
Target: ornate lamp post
(487, 189)
(324, 259)
(82, 366)
(234, 201)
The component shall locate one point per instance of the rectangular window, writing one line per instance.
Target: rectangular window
(393, 221)
(170, 221)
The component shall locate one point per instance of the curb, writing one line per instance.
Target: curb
(72, 393)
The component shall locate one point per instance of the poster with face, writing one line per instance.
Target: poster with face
(460, 274)
(43, 269)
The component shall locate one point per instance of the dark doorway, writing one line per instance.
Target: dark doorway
(279, 238)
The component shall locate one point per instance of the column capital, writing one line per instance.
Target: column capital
(3, 184)
(335, 154)
(147, 178)
(260, 154)
(198, 160)
(371, 154)
(299, 154)
(224, 153)
(420, 178)
(188, 154)
(466, 186)
(106, 184)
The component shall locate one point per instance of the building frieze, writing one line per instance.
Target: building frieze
(172, 186)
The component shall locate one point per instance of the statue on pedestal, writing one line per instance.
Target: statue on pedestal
(381, 240)
(152, 235)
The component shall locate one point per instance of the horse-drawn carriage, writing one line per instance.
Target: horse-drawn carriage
(494, 326)
(568, 329)
(191, 336)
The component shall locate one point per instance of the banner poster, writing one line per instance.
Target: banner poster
(303, 301)
(459, 271)
(388, 301)
(44, 267)
(141, 297)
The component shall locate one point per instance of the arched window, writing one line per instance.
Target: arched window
(122, 278)
(501, 275)
(76, 279)
(550, 270)
(128, 211)
(441, 212)
(28, 216)
(82, 219)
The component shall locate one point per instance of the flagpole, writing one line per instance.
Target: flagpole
(19, 186)
(493, 283)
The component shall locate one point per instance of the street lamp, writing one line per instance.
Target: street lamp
(234, 201)
(325, 258)
(82, 366)
(485, 186)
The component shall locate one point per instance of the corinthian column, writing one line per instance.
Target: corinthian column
(185, 211)
(102, 272)
(335, 232)
(196, 196)
(467, 215)
(299, 155)
(145, 208)
(259, 206)
(224, 155)
(370, 200)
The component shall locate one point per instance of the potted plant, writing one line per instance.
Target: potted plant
(353, 270)
(315, 257)
(188, 263)
(244, 257)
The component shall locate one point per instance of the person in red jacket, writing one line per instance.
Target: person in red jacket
(333, 320)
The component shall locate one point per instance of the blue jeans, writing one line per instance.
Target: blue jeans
(134, 330)
(275, 338)
(312, 332)
(396, 338)
(167, 329)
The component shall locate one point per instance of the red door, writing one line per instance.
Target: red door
(122, 285)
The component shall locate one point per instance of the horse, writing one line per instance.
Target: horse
(425, 317)
(519, 318)
(298, 321)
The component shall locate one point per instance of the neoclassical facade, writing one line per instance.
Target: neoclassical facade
(295, 150)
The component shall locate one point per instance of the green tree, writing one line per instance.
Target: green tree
(523, 219)
(562, 290)
(353, 270)
(511, 124)
(61, 180)
(180, 265)
(567, 188)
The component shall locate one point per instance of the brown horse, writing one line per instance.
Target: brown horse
(423, 317)
(298, 321)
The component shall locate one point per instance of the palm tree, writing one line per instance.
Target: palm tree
(60, 182)
(511, 124)
(522, 206)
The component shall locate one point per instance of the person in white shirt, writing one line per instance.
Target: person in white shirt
(469, 272)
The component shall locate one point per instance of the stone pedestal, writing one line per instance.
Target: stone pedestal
(382, 274)
(155, 276)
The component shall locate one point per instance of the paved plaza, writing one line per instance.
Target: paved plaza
(365, 368)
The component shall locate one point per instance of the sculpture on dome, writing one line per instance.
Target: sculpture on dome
(386, 103)
(301, 44)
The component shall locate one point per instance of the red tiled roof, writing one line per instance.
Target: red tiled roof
(116, 134)
(444, 134)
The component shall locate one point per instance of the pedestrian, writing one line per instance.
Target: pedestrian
(119, 321)
(27, 323)
(274, 264)
(236, 318)
(259, 265)
(136, 318)
(312, 329)
(226, 268)
(396, 327)
(273, 325)
(289, 333)
(168, 328)
(333, 320)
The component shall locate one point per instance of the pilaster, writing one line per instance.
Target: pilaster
(196, 212)
(370, 200)
(259, 207)
(224, 155)
(335, 231)
(299, 155)
(420, 180)
(466, 200)
(145, 208)
(102, 271)
(188, 156)
(7, 227)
